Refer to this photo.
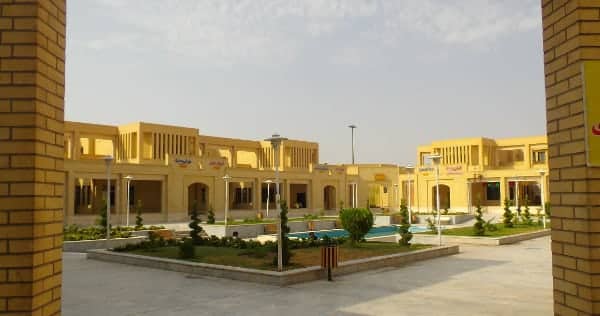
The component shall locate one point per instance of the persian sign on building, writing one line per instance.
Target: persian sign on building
(216, 164)
(454, 170)
(591, 99)
(183, 162)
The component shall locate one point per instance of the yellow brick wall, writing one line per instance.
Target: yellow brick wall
(571, 35)
(32, 64)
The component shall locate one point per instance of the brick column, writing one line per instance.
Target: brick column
(571, 36)
(32, 62)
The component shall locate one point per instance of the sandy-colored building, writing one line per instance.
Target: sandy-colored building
(171, 167)
(479, 169)
(174, 166)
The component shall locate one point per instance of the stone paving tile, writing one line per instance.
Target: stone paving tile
(507, 280)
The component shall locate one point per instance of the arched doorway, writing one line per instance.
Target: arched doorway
(329, 202)
(444, 197)
(198, 192)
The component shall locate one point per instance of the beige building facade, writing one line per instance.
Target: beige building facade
(481, 170)
(172, 167)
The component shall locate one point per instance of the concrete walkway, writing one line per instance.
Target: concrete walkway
(507, 280)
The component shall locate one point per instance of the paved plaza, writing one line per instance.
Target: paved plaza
(507, 280)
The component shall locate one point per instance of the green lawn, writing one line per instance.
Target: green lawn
(262, 258)
(502, 231)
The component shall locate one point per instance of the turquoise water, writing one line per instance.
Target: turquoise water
(374, 232)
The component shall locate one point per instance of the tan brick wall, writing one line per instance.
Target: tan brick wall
(572, 35)
(32, 64)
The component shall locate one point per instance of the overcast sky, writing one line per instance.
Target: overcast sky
(406, 72)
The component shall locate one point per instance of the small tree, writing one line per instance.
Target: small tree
(210, 215)
(404, 229)
(479, 226)
(102, 218)
(508, 215)
(357, 221)
(517, 216)
(139, 221)
(526, 214)
(431, 225)
(194, 225)
(285, 229)
(187, 249)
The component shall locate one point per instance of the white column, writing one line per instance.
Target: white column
(517, 194)
(409, 201)
(469, 196)
(437, 200)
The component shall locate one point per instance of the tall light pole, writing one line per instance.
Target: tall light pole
(276, 141)
(436, 161)
(352, 127)
(226, 178)
(268, 182)
(128, 178)
(543, 194)
(410, 169)
(108, 160)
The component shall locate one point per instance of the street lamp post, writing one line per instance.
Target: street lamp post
(410, 169)
(108, 160)
(128, 178)
(226, 178)
(543, 195)
(352, 127)
(268, 182)
(276, 141)
(436, 161)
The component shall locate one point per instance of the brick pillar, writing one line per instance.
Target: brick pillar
(571, 36)
(32, 62)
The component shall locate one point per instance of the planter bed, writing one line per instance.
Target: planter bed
(254, 230)
(445, 219)
(272, 277)
(480, 240)
(87, 245)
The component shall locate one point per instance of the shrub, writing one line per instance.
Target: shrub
(210, 215)
(187, 249)
(490, 227)
(357, 221)
(517, 216)
(526, 214)
(194, 225)
(404, 229)
(479, 226)
(285, 229)
(431, 225)
(76, 233)
(102, 219)
(139, 221)
(507, 215)
(250, 220)
(310, 217)
(547, 208)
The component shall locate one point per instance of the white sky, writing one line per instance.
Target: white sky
(406, 72)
